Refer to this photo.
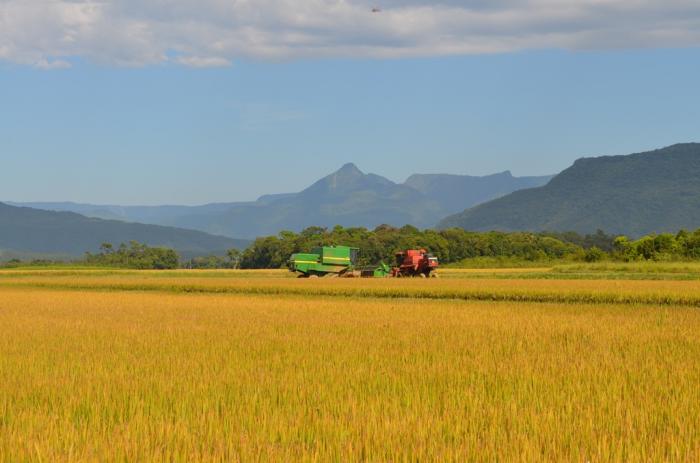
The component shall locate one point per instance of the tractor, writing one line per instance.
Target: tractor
(415, 263)
(341, 261)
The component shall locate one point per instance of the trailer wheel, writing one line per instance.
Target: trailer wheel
(313, 276)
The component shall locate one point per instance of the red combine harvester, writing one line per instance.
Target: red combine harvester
(415, 263)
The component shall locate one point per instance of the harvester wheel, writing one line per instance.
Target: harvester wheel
(422, 275)
(313, 276)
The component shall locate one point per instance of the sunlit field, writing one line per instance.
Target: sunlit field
(104, 365)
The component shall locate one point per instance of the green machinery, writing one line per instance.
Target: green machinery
(379, 271)
(333, 261)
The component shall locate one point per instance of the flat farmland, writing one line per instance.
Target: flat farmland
(482, 365)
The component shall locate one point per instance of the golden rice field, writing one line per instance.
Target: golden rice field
(252, 366)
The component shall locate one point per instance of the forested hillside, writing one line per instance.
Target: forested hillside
(638, 194)
(66, 233)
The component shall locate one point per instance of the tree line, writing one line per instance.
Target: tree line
(134, 255)
(684, 245)
(381, 244)
(456, 245)
(452, 246)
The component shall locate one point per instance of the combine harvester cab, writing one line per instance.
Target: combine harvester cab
(416, 263)
(324, 261)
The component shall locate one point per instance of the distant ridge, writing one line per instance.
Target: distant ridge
(26, 230)
(347, 197)
(637, 194)
(458, 192)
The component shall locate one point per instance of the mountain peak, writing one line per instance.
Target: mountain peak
(350, 169)
(348, 179)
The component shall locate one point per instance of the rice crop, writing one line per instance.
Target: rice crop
(180, 368)
(597, 291)
(596, 271)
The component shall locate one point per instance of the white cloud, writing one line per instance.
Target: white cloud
(202, 33)
(52, 64)
(203, 61)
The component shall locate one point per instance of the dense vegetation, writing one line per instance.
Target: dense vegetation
(452, 246)
(232, 260)
(456, 245)
(134, 255)
(381, 244)
(664, 247)
(634, 195)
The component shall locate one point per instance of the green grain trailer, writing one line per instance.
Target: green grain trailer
(324, 261)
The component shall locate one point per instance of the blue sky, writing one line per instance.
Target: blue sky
(118, 127)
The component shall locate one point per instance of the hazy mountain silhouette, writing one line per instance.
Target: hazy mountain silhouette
(347, 197)
(458, 192)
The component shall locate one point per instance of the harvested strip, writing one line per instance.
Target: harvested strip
(681, 293)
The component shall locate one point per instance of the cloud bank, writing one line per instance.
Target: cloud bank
(207, 33)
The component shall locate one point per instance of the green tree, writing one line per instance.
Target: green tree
(594, 254)
(134, 255)
(234, 258)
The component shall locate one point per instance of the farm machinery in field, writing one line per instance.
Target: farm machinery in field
(342, 261)
(415, 263)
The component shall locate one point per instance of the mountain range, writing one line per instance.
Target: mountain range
(25, 231)
(456, 192)
(650, 192)
(637, 194)
(347, 197)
